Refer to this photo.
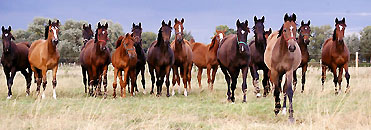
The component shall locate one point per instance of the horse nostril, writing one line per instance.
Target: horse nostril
(292, 48)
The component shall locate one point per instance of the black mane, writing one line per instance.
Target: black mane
(159, 37)
(46, 31)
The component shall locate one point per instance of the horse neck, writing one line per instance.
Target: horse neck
(51, 47)
(339, 46)
(283, 45)
(215, 47)
(301, 43)
(13, 48)
(260, 45)
(179, 46)
(97, 48)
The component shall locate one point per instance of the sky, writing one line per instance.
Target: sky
(201, 16)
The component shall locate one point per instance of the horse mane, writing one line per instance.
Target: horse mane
(118, 42)
(213, 41)
(46, 31)
(334, 35)
(280, 31)
(159, 37)
(96, 36)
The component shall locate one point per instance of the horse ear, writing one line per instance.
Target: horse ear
(131, 34)
(83, 26)
(182, 20)
(127, 34)
(336, 20)
(176, 20)
(343, 20)
(2, 28)
(163, 23)
(106, 25)
(293, 17)
(255, 19)
(302, 22)
(270, 30)
(140, 25)
(133, 25)
(90, 26)
(169, 23)
(247, 23)
(238, 23)
(57, 22)
(9, 28)
(308, 22)
(99, 26)
(286, 17)
(263, 18)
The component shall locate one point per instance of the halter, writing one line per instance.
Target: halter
(102, 41)
(239, 42)
(293, 38)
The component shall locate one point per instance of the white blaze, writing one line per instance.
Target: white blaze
(242, 31)
(292, 35)
(6, 34)
(55, 32)
(180, 28)
(341, 27)
(220, 36)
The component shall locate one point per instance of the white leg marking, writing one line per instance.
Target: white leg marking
(173, 92)
(185, 92)
(9, 97)
(284, 111)
(43, 95)
(54, 94)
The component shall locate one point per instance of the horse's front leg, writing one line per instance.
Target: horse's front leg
(143, 80)
(199, 76)
(213, 77)
(175, 79)
(167, 82)
(105, 71)
(153, 79)
(185, 79)
(295, 79)
(266, 82)
(255, 81)
(244, 84)
(124, 83)
(323, 79)
(7, 75)
(290, 94)
(347, 76)
(114, 84)
(228, 80)
(333, 68)
(234, 76)
(55, 81)
(304, 70)
(133, 79)
(340, 77)
(44, 79)
(27, 76)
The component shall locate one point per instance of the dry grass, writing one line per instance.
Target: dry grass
(202, 109)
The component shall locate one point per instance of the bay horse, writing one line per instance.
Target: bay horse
(87, 34)
(183, 57)
(234, 54)
(335, 54)
(13, 59)
(141, 55)
(43, 56)
(303, 42)
(124, 59)
(161, 58)
(257, 49)
(204, 56)
(283, 56)
(95, 58)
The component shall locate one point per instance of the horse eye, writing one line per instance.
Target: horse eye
(284, 30)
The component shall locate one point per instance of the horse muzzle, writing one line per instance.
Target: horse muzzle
(55, 41)
(103, 48)
(291, 48)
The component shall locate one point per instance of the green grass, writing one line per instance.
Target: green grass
(202, 109)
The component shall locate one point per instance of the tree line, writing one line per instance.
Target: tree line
(71, 38)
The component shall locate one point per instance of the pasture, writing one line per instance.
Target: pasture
(202, 109)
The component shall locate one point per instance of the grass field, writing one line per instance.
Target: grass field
(202, 109)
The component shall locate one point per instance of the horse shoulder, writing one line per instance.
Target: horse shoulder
(271, 41)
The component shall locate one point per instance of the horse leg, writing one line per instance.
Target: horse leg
(105, 70)
(208, 70)
(340, 77)
(274, 78)
(189, 76)
(143, 80)
(228, 80)
(55, 81)
(244, 84)
(153, 79)
(7, 75)
(295, 79)
(27, 76)
(199, 76)
(44, 79)
(175, 79)
(159, 82)
(125, 82)
(84, 77)
(266, 82)
(323, 79)
(255, 81)
(167, 81)
(213, 77)
(304, 70)
(114, 84)
(184, 75)
(333, 68)
(133, 77)
(347, 76)
(234, 76)
(290, 94)
(91, 82)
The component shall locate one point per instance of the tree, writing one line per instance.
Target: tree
(353, 43)
(70, 40)
(115, 30)
(186, 35)
(147, 39)
(365, 43)
(21, 36)
(319, 36)
(37, 28)
(226, 28)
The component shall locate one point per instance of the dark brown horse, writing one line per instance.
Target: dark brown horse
(87, 34)
(141, 56)
(283, 56)
(161, 58)
(183, 57)
(124, 59)
(257, 48)
(43, 56)
(303, 41)
(13, 59)
(335, 54)
(95, 58)
(204, 56)
(233, 55)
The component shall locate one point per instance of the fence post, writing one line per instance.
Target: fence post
(357, 62)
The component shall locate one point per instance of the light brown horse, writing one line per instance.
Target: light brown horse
(204, 56)
(335, 54)
(283, 56)
(183, 57)
(43, 56)
(124, 59)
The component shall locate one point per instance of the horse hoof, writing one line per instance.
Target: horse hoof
(284, 111)
(185, 93)
(276, 111)
(291, 120)
(9, 97)
(336, 93)
(258, 95)
(144, 91)
(173, 92)
(232, 99)
(244, 101)
(151, 92)
(158, 95)
(167, 95)
(43, 96)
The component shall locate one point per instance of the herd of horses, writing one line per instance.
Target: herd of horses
(275, 53)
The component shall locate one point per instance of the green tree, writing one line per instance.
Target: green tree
(365, 43)
(353, 43)
(21, 36)
(37, 28)
(319, 35)
(115, 30)
(70, 40)
(226, 28)
(147, 39)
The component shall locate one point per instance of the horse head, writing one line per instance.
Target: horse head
(128, 45)
(87, 33)
(7, 37)
(178, 27)
(267, 33)
(242, 31)
(218, 37)
(137, 34)
(288, 32)
(165, 32)
(259, 29)
(101, 36)
(305, 31)
(51, 32)
(339, 30)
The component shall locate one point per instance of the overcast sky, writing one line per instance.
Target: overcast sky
(201, 16)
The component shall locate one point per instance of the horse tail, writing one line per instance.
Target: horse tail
(118, 42)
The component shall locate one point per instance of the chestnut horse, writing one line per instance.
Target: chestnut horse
(233, 55)
(335, 54)
(204, 56)
(183, 57)
(124, 59)
(303, 41)
(141, 55)
(87, 34)
(13, 59)
(257, 48)
(95, 58)
(161, 58)
(43, 56)
(283, 56)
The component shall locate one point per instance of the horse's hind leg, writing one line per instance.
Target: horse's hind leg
(340, 77)
(153, 79)
(7, 75)
(304, 70)
(323, 79)
(266, 82)
(55, 81)
(27, 76)
(228, 80)
(347, 77)
(295, 81)
(244, 84)
(199, 76)
(255, 81)
(84, 77)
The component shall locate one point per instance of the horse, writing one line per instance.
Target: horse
(335, 54)
(234, 54)
(161, 58)
(257, 48)
(141, 55)
(303, 41)
(13, 59)
(124, 59)
(204, 56)
(94, 59)
(87, 34)
(43, 56)
(283, 56)
(183, 57)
